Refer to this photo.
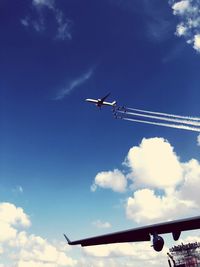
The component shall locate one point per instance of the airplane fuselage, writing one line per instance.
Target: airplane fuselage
(99, 102)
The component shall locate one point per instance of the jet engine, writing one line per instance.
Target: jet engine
(158, 242)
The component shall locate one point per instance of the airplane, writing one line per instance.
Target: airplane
(122, 108)
(101, 101)
(116, 115)
(143, 234)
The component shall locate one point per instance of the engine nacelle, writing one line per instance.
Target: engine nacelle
(158, 242)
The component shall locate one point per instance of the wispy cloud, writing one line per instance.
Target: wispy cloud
(64, 26)
(157, 25)
(189, 25)
(72, 85)
(39, 22)
(40, 3)
(18, 189)
(101, 225)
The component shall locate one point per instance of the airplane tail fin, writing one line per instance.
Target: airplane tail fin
(68, 241)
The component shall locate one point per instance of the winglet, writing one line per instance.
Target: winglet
(68, 241)
(114, 103)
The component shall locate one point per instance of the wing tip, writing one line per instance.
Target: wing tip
(68, 241)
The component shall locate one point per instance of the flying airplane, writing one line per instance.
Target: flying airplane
(143, 234)
(101, 102)
(116, 115)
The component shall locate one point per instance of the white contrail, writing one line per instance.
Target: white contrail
(166, 114)
(193, 123)
(177, 126)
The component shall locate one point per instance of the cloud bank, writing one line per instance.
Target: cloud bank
(22, 249)
(161, 186)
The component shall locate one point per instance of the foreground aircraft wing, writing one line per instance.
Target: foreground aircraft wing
(142, 233)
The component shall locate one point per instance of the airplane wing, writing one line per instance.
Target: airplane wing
(142, 233)
(103, 98)
(91, 100)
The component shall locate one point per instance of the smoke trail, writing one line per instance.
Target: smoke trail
(193, 123)
(184, 127)
(166, 114)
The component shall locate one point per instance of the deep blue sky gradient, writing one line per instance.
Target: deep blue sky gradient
(54, 148)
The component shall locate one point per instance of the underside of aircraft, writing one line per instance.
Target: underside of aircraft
(143, 234)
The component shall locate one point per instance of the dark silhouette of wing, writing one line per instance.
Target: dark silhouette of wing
(142, 233)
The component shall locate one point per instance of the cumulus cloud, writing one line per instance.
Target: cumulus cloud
(39, 22)
(163, 188)
(145, 206)
(154, 164)
(191, 179)
(12, 215)
(114, 180)
(74, 84)
(189, 25)
(162, 170)
(34, 249)
(23, 249)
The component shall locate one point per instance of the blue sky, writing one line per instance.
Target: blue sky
(55, 147)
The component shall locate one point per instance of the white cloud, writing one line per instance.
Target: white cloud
(23, 249)
(40, 23)
(101, 225)
(64, 25)
(145, 206)
(74, 84)
(36, 249)
(163, 187)
(192, 237)
(33, 264)
(181, 7)
(198, 140)
(181, 30)
(197, 42)
(12, 215)
(189, 26)
(114, 180)
(154, 164)
(120, 255)
(190, 186)
(41, 3)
